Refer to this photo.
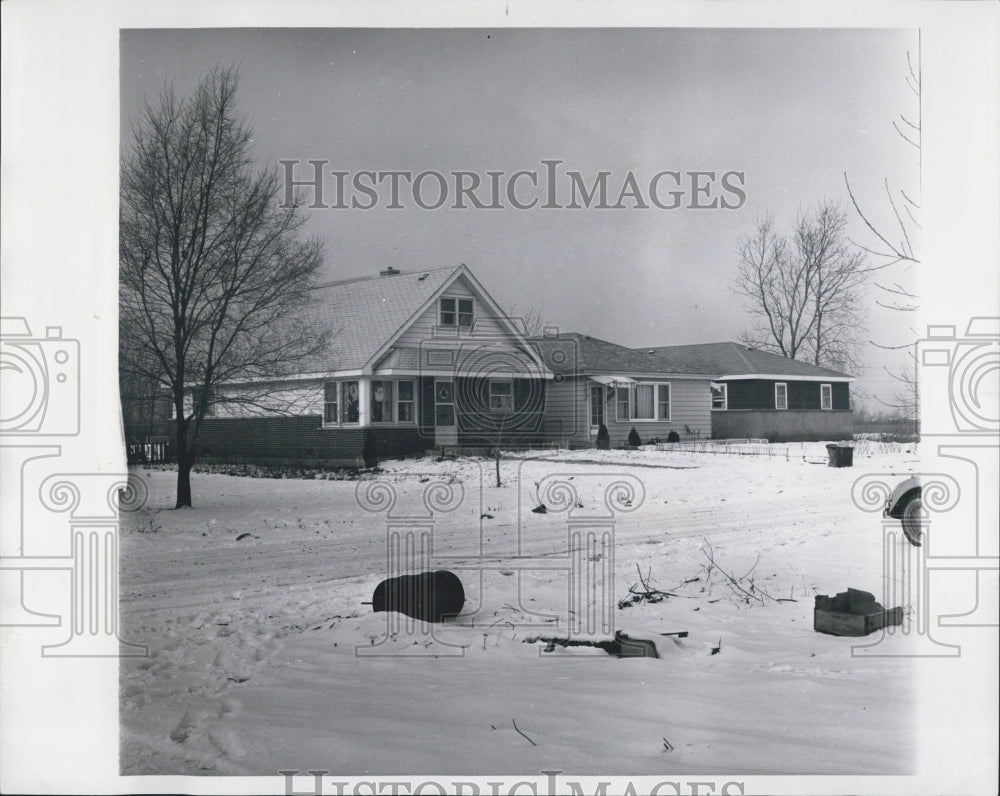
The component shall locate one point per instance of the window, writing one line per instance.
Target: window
(623, 399)
(465, 313)
(780, 395)
(352, 404)
(720, 397)
(825, 396)
(447, 314)
(331, 390)
(644, 402)
(640, 402)
(381, 401)
(501, 396)
(456, 311)
(404, 402)
(596, 406)
(663, 401)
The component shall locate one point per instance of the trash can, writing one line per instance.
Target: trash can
(840, 455)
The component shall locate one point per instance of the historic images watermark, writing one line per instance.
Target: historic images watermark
(547, 186)
(959, 376)
(549, 783)
(40, 403)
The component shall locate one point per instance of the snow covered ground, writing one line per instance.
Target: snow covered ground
(263, 656)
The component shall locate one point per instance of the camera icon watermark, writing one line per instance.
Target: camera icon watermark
(41, 381)
(960, 375)
(483, 388)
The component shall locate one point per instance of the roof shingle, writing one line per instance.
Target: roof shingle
(716, 360)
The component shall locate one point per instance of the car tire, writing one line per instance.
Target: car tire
(911, 513)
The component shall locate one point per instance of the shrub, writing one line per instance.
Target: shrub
(633, 438)
(673, 436)
(603, 438)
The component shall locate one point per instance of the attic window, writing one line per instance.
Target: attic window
(456, 312)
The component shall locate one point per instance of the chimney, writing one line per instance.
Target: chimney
(390, 271)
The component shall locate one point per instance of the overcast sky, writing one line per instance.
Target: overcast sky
(790, 109)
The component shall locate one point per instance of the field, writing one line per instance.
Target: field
(264, 657)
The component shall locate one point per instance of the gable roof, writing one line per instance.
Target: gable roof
(368, 314)
(709, 360)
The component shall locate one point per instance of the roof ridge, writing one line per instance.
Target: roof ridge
(372, 277)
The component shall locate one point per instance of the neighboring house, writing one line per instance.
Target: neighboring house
(757, 394)
(420, 360)
(597, 382)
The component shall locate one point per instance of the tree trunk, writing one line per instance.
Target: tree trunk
(184, 462)
(497, 452)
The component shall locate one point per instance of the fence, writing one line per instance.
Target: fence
(727, 447)
(149, 453)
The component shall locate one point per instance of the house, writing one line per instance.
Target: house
(601, 383)
(421, 360)
(712, 390)
(757, 394)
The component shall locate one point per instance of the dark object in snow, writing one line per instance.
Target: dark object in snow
(678, 633)
(628, 647)
(540, 509)
(673, 436)
(840, 455)
(428, 596)
(716, 650)
(242, 536)
(486, 516)
(852, 613)
(621, 646)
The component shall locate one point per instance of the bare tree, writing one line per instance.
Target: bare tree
(215, 277)
(898, 243)
(804, 291)
(528, 320)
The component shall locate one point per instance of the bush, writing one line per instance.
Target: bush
(633, 438)
(603, 438)
(673, 436)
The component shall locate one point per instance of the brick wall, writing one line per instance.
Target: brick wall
(301, 440)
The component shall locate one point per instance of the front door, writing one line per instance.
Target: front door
(445, 427)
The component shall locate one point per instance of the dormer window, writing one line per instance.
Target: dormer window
(456, 312)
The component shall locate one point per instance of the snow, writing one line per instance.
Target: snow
(263, 656)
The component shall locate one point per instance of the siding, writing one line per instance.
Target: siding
(690, 415)
(567, 414)
(425, 328)
(802, 395)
